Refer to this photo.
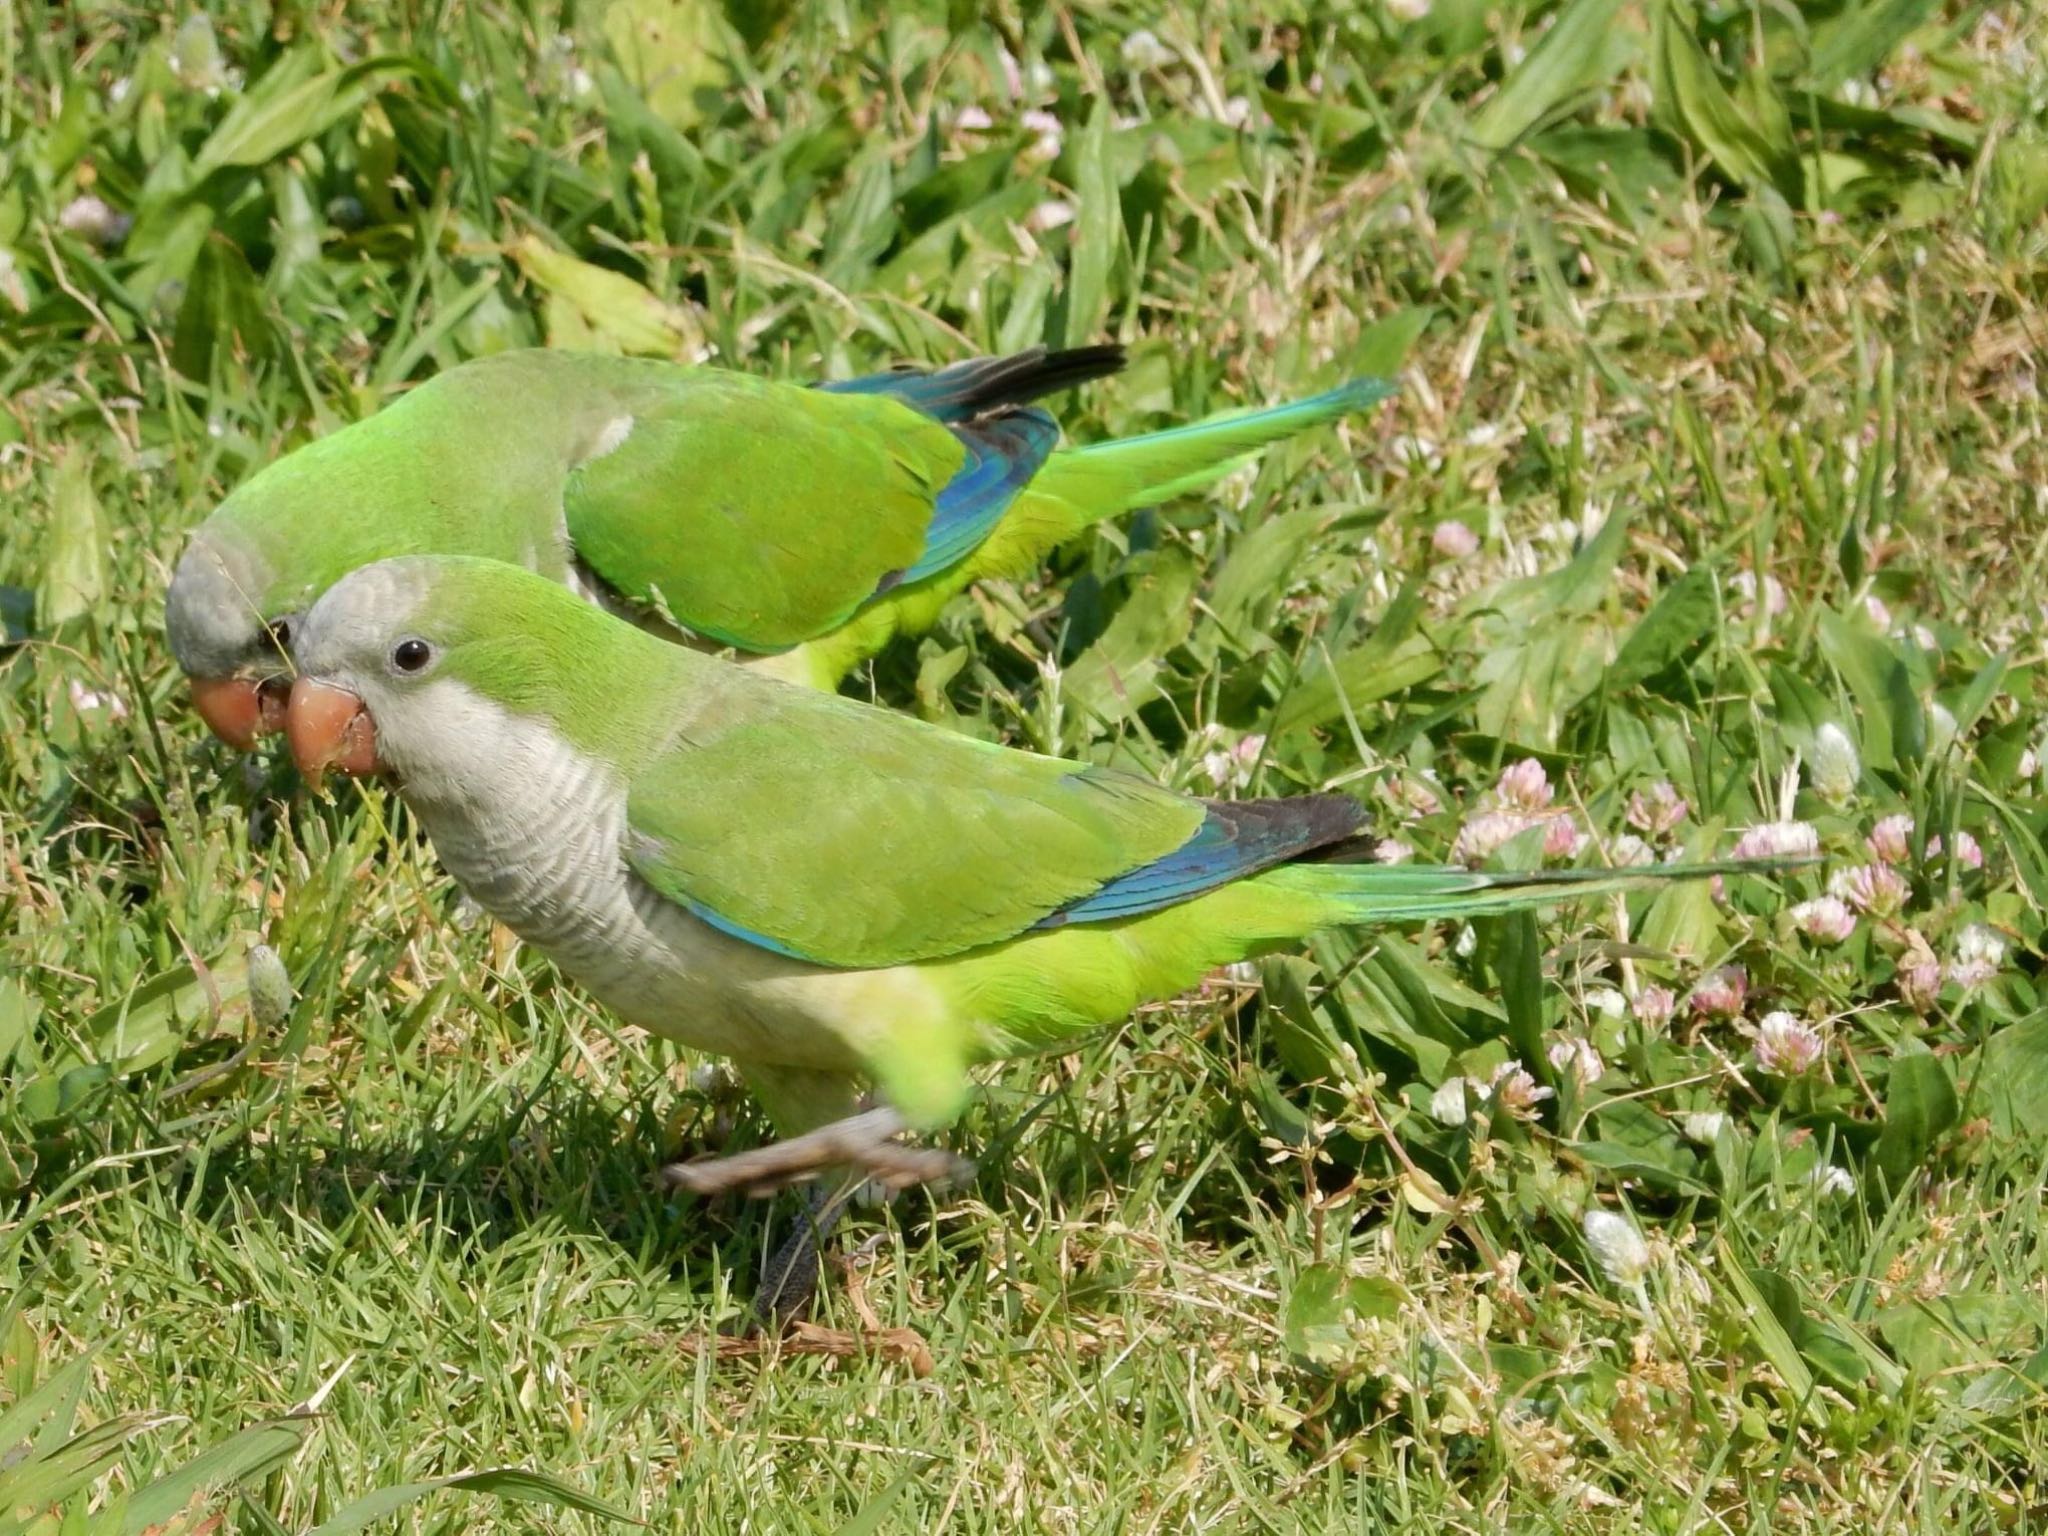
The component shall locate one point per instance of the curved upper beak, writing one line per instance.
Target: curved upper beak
(328, 727)
(240, 709)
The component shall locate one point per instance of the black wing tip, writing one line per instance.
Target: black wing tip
(1305, 826)
(1038, 372)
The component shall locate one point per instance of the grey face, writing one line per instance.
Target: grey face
(212, 618)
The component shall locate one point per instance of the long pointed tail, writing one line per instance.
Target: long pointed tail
(1364, 894)
(1158, 465)
(1080, 486)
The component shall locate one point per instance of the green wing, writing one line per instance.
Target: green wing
(760, 513)
(838, 833)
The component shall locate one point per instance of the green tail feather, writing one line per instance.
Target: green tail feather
(1383, 893)
(1160, 465)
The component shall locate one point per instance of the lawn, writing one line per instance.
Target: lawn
(1713, 512)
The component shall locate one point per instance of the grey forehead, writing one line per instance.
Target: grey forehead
(210, 613)
(359, 612)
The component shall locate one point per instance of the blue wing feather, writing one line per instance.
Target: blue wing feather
(1237, 838)
(1003, 453)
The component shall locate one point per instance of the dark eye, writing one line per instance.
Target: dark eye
(411, 655)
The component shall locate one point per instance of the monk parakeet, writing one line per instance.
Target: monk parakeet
(828, 893)
(804, 525)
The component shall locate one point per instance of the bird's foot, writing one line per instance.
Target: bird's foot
(865, 1142)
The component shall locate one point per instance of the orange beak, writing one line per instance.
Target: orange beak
(240, 709)
(328, 727)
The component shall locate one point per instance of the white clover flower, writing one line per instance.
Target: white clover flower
(1053, 213)
(1143, 50)
(1879, 615)
(1412, 452)
(1617, 1247)
(1969, 855)
(1778, 840)
(1744, 585)
(1835, 767)
(1653, 1007)
(1517, 1092)
(1485, 834)
(1877, 889)
(270, 988)
(1980, 951)
(972, 119)
(1628, 851)
(1562, 838)
(1919, 974)
(1891, 840)
(1051, 133)
(1574, 1056)
(1720, 994)
(1453, 1101)
(1411, 797)
(1524, 786)
(1407, 10)
(1825, 919)
(1830, 1182)
(93, 221)
(1606, 1002)
(1238, 112)
(86, 700)
(1658, 811)
(1703, 1126)
(1453, 540)
(1391, 850)
(1786, 1045)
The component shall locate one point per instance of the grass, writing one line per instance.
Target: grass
(1718, 330)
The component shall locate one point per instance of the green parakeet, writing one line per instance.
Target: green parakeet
(804, 525)
(828, 893)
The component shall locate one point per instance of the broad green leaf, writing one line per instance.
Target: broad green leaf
(18, 1013)
(1120, 673)
(1822, 1345)
(517, 1484)
(1098, 226)
(595, 307)
(876, 1510)
(295, 100)
(2014, 1078)
(1894, 724)
(54, 1399)
(1682, 615)
(1858, 38)
(1691, 102)
(241, 1456)
(1383, 347)
(1919, 1108)
(1253, 579)
(1394, 657)
(74, 577)
(223, 308)
(1574, 55)
(674, 53)
(52, 1475)
(1322, 1306)
(1768, 1333)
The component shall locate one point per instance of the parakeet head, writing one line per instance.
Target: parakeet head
(228, 640)
(420, 665)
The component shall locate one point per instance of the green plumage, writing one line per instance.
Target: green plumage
(765, 515)
(828, 888)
